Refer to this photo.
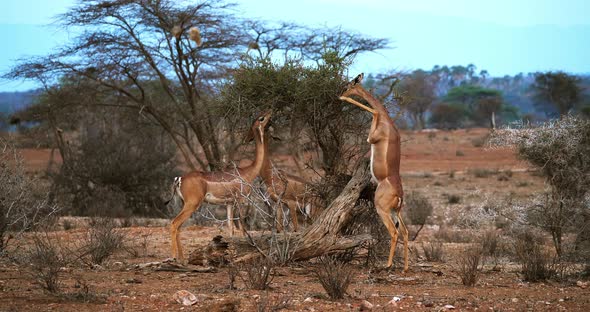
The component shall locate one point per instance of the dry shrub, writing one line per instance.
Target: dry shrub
(418, 208)
(479, 142)
(334, 275)
(469, 268)
(453, 199)
(448, 235)
(103, 240)
(85, 294)
(258, 274)
(523, 184)
(45, 259)
(282, 248)
(24, 204)
(490, 243)
(536, 264)
(504, 177)
(482, 172)
(433, 251)
(268, 303)
(232, 273)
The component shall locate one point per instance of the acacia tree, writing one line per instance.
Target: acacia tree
(167, 61)
(151, 54)
(558, 89)
(419, 88)
(480, 103)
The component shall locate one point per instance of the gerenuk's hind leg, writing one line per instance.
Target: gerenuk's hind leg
(404, 232)
(187, 210)
(385, 201)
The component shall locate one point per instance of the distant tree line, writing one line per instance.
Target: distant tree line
(458, 96)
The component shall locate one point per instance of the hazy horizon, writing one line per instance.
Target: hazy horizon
(505, 38)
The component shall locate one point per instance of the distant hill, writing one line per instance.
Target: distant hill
(11, 102)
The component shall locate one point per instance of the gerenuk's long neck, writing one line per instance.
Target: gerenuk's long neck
(251, 172)
(375, 104)
(266, 170)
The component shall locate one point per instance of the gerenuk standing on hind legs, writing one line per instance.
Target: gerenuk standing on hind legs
(385, 159)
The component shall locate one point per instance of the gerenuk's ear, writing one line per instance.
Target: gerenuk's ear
(358, 79)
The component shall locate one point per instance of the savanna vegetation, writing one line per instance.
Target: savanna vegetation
(152, 89)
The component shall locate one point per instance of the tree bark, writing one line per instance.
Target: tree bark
(324, 235)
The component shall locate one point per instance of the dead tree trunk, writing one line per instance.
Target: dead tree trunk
(324, 235)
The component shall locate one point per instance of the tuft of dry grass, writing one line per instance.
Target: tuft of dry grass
(469, 266)
(103, 240)
(258, 274)
(335, 276)
(433, 251)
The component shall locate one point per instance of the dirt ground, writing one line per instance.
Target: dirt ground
(437, 164)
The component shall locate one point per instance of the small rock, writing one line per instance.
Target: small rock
(515, 300)
(366, 306)
(97, 267)
(396, 299)
(256, 297)
(449, 307)
(428, 303)
(308, 299)
(392, 303)
(185, 297)
(581, 284)
(133, 281)
(182, 275)
(374, 295)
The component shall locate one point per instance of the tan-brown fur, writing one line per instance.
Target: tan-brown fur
(289, 189)
(218, 187)
(384, 138)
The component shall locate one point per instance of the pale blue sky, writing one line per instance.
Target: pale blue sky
(502, 36)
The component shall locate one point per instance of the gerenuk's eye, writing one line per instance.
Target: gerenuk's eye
(261, 119)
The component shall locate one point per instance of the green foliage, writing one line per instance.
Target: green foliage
(469, 95)
(449, 116)
(479, 103)
(305, 103)
(558, 89)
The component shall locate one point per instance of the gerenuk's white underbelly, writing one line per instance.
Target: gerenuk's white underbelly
(374, 179)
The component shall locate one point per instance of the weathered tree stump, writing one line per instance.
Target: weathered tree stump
(325, 234)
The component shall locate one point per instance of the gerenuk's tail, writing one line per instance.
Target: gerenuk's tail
(175, 190)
